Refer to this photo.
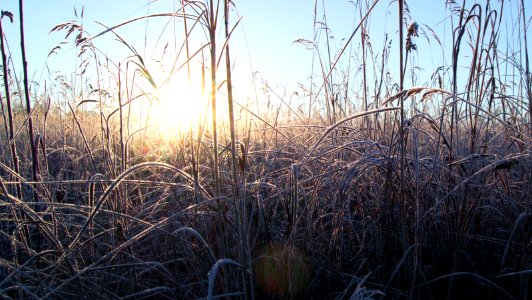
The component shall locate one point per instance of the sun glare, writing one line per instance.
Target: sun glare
(178, 107)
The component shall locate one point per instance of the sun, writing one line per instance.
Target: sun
(179, 105)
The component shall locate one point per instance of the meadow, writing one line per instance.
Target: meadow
(380, 179)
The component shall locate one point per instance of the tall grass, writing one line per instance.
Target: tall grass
(375, 186)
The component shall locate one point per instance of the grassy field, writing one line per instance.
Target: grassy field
(371, 186)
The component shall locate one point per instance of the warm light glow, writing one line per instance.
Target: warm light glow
(179, 106)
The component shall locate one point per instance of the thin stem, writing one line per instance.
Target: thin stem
(34, 153)
(212, 37)
(14, 156)
(527, 66)
(401, 104)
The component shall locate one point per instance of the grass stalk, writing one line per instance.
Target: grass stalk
(34, 149)
(213, 89)
(123, 155)
(245, 255)
(212, 30)
(9, 105)
(401, 106)
(528, 81)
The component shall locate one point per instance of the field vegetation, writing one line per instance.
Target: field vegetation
(380, 182)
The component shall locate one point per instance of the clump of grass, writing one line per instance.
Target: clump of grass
(392, 190)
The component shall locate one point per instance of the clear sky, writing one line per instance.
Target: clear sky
(264, 40)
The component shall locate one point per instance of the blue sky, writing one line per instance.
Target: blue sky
(263, 41)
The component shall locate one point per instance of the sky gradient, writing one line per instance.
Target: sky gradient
(263, 42)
